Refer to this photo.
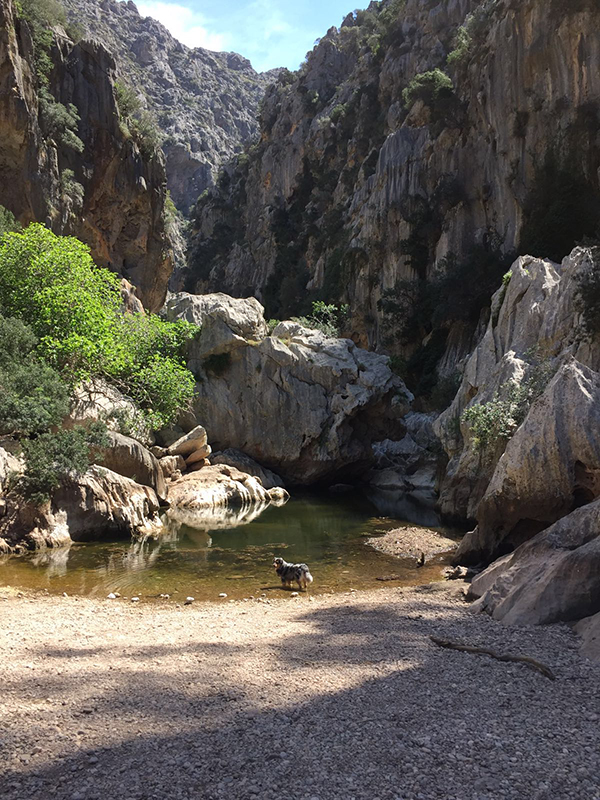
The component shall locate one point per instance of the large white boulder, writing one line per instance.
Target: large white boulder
(300, 403)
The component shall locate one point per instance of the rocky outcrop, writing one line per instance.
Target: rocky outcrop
(89, 178)
(554, 577)
(354, 187)
(535, 332)
(239, 460)
(97, 505)
(217, 487)
(206, 103)
(403, 483)
(304, 405)
(550, 466)
(129, 458)
(9, 465)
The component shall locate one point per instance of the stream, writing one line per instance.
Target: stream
(231, 555)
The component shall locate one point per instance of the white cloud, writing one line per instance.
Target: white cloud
(185, 24)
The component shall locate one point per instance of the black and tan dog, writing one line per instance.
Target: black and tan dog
(293, 572)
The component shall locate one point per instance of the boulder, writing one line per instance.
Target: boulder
(226, 322)
(217, 486)
(97, 400)
(589, 630)
(300, 403)
(199, 455)
(97, 505)
(550, 466)
(9, 464)
(171, 465)
(128, 457)
(239, 460)
(189, 443)
(554, 577)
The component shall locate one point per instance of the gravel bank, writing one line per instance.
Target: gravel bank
(411, 542)
(344, 696)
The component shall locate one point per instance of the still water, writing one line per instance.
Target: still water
(231, 554)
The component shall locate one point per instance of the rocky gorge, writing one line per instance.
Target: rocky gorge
(394, 174)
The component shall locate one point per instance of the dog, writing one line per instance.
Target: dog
(292, 572)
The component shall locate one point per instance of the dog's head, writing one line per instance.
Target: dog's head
(278, 562)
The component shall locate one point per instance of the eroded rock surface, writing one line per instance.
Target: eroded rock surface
(96, 505)
(128, 457)
(304, 405)
(554, 577)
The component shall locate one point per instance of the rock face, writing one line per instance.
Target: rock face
(351, 189)
(99, 504)
(547, 467)
(554, 577)
(105, 190)
(206, 103)
(304, 405)
(8, 464)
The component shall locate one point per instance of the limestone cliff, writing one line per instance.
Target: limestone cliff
(66, 159)
(205, 103)
(419, 136)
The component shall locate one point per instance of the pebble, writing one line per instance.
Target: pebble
(135, 599)
(294, 594)
(188, 601)
(111, 596)
(222, 594)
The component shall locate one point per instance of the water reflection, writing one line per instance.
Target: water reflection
(204, 556)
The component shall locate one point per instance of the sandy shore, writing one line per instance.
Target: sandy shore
(344, 696)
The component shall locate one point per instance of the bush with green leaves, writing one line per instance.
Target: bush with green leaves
(74, 309)
(33, 396)
(52, 457)
(8, 222)
(493, 423)
(429, 87)
(41, 16)
(327, 318)
(59, 121)
(136, 122)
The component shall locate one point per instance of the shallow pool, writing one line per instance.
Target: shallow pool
(231, 555)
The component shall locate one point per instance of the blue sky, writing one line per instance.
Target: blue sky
(271, 33)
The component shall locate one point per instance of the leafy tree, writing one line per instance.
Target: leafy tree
(74, 309)
(428, 87)
(33, 397)
(52, 457)
(7, 221)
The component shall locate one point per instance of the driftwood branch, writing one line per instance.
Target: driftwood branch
(484, 651)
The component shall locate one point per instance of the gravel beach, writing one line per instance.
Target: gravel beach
(342, 696)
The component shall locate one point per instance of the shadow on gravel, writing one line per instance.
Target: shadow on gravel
(359, 704)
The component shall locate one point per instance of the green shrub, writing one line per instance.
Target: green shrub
(74, 309)
(493, 423)
(60, 121)
(136, 122)
(52, 457)
(70, 188)
(40, 16)
(8, 222)
(429, 87)
(33, 397)
(330, 319)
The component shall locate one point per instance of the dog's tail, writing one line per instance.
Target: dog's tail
(308, 577)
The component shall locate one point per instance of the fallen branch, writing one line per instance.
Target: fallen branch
(484, 651)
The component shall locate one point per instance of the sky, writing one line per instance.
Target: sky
(271, 33)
